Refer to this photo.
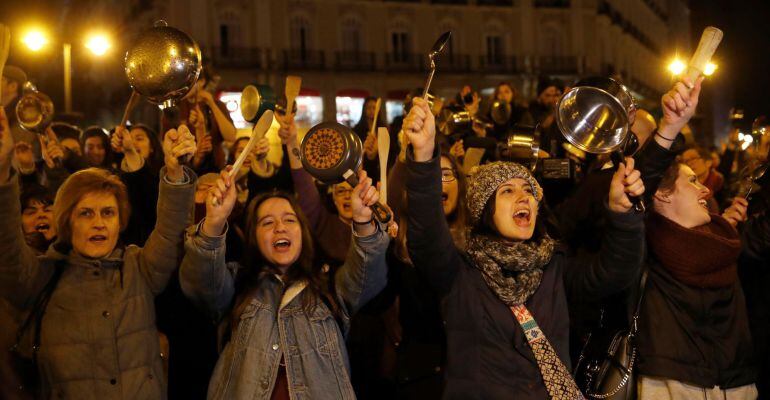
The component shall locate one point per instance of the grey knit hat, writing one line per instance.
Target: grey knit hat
(487, 178)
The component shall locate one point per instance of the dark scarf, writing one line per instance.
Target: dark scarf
(704, 256)
(512, 270)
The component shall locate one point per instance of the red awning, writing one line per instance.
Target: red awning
(357, 93)
(397, 94)
(309, 92)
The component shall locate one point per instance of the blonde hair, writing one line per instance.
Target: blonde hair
(91, 180)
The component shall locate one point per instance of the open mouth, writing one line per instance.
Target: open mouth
(444, 197)
(97, 239)
(346, 206)
(282, 244)
(43, 227)
(522, 217)
(703, 203)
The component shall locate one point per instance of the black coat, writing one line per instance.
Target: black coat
(700, 336)
(488, 355)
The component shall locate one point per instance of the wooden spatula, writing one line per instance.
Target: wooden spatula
(5, 47)
(709, 41)
(132, 102)
(383, 148)
(293, 84)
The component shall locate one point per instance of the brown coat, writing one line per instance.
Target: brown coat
(98, 337)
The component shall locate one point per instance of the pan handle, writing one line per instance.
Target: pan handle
(381, 213)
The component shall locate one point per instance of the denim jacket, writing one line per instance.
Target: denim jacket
(273, 323)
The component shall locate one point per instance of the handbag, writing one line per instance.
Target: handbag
(605, 369)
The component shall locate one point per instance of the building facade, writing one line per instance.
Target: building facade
(347, 49)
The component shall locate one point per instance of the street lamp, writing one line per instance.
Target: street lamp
(98, 44)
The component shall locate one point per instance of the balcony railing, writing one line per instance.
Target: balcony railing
(405, 62)
(552, 3)
(238, 57)
(457, 63)
(501, 65)
(298, 59)
(557, 65)
(354, 61)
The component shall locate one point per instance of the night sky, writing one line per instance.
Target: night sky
(743, 77)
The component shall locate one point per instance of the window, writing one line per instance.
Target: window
(232, 101)
(229, 32)
(393, 109)
(494, 49)
(299, 36)
(400, 46)
(310, 110)
(351, 35)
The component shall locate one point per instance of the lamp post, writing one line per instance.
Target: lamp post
(98, 44)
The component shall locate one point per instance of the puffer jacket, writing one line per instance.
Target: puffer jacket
(98, 337)
(272, 324)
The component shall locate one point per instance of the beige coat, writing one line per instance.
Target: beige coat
(98, 337)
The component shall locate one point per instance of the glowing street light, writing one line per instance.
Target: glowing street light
(35, 40)
(710, 68)
(98, 44)
(676, 66)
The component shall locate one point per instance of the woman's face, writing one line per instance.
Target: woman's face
(342, 195)
(142, 142)
(504, 93)
(38, 217)
(369, 109)
(449, 186)
(279, 234)
(686, 204)
(95, 223)
(94, 151)
(515, 210)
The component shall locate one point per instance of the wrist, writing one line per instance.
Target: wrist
(212, 227)
(423, 154)
(174, 174)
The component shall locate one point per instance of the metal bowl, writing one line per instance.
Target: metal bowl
(34, 111)
(163, 64)
(594, 115)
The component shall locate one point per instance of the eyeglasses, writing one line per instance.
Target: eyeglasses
(448, 175)
(340, 192)
(690, 160)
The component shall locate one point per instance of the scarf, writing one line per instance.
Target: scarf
(512, 270)
(704, 256)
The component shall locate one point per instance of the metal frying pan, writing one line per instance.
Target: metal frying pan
(594, 117)
(437, 48)
(332, 153)
(255, 100)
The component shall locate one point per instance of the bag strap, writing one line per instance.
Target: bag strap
(642, 285)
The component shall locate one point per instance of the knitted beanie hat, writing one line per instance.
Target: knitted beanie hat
(488, 178)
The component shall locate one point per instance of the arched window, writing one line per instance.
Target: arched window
(400, 41)
(300, 35)
(351, 39)
(229, 32)
(552, 40)
(494, 44)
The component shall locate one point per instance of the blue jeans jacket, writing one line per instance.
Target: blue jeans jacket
(273, 325)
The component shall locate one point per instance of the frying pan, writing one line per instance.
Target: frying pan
(332, 153)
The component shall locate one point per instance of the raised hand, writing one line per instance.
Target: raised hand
(457, 150)
(6, 147)
(261, 148)
(737, 212)
(370, 146)
(50, 149)
(177, 144)
(626, 183)
(288, 130)
(679, 106)
(364, 195)
(219, 204)
(420, 128)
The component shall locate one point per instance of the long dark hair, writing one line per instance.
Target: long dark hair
(155, 161)
(257, 268)
(98, 132)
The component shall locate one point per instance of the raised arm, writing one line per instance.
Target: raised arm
(204, 278)
(21, 275)
(622, 249)
(163, 249)
(364, 273)
(428, 238)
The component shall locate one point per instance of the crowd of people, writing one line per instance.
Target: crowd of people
(138, 265)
